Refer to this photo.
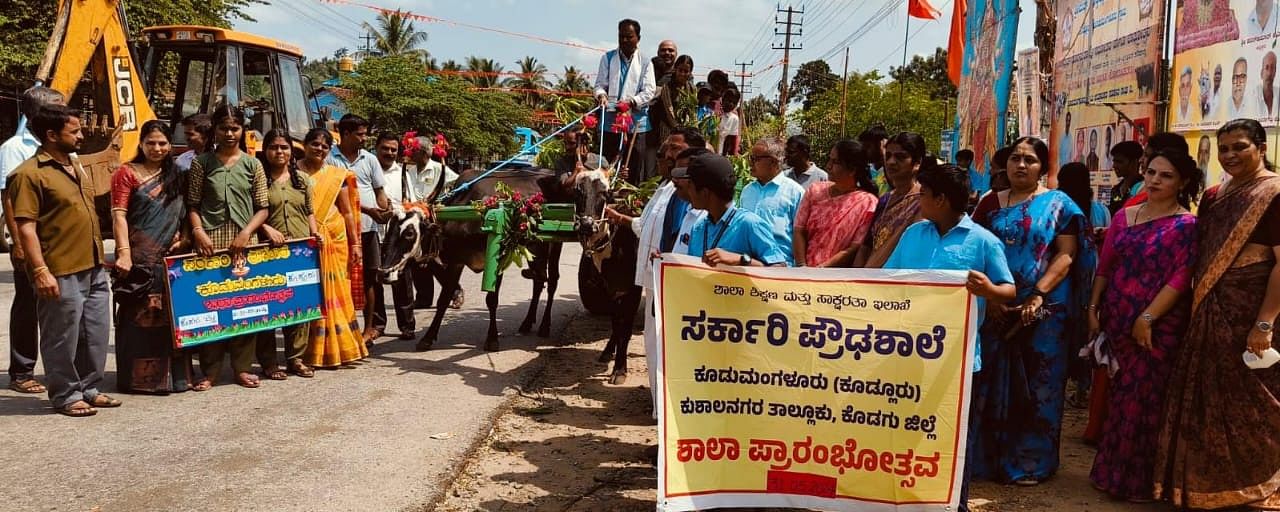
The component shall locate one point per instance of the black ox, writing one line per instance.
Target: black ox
(447, 247)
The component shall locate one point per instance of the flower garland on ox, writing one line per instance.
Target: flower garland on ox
(524, 214)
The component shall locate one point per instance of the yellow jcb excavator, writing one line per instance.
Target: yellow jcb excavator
(168, 73)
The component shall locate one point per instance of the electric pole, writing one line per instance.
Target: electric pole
(786, 48)
(367, 48)
(742, 75)
(844, 91)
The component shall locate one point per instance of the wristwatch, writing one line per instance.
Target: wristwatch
(744, 260)
(1264, 326)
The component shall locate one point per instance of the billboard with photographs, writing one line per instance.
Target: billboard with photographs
(1224, 68)
(1028, 95)
(1106, 81)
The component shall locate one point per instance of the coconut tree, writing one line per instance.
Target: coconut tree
(573, 81)
(485, 71)
(532, 78)
(450, 65)
(395, 35)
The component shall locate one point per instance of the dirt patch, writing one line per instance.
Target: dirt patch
(572, 442)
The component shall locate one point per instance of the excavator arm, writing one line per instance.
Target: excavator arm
(91, 40)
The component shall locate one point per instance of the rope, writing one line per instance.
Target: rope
(463, 187)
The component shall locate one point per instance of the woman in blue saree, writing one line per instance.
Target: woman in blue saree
(1019, 394)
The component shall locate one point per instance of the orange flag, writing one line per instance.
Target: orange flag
(955, 46)
(921, 9)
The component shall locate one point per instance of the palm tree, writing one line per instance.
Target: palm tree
(486, 71)
(533, 78)
(450, 65)
(573, 81)
(396, 35)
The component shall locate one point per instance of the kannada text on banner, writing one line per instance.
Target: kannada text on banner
(213, 301)
(815, 388)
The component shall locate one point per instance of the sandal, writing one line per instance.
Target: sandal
(203, 385)
(276, 373)
(79, 409)
(459, 299)
(1026, 481)
(297, 367)
(104, 401)
(248, 380)
(31, 386)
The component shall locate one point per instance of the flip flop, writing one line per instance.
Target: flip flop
(248, 380)
(30, 386)
(80, 409)
(302, 370)
(104, 401)
(202, 385)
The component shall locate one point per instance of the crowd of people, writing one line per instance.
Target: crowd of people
(215, 196)
(1149, 308)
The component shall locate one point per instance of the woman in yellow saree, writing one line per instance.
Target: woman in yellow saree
(335, 339)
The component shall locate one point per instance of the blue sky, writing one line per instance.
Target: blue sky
(717, 33)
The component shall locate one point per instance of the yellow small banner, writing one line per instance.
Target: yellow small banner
(836, 389)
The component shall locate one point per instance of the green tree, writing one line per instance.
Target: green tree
(758, 110)
(450, 65)
(486, 72)
(320, 70)
(25, 26)
(395, 35)
(573, 81)
(812, 78)
(533, 78)
(872, 100)
(393, 93)
(930, 71)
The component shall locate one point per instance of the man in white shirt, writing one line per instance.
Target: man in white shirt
(1266, 93)
(350, 154)
(1184, 96)
(625, 77)
(1262, 19)
(24, 332)
(1239, 105)
(657, 232)
(397, 189)
(196, 129)
(730, 129)
(799, 160)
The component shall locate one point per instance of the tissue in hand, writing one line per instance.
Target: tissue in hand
(1268, 358)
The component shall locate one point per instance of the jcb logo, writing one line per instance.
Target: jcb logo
(124, 93)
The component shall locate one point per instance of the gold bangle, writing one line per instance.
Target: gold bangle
(39, 270)
(197, 228)
(125, 248)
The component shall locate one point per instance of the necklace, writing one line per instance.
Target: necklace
(144, 177)
(724, 227)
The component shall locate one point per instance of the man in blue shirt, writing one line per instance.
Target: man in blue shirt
(947, 239)
(24, 333)
(773, 196)
(375, 208)
(727, 235)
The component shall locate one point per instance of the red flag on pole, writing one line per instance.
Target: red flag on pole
(955, 46)
(921, 9)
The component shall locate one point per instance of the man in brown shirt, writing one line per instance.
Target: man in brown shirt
(58, 229)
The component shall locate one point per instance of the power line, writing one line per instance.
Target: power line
(880, 15)
(317, 19)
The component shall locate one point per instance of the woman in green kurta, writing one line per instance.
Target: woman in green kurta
(290, 217)
(226, 204)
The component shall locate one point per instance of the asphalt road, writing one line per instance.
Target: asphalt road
(386, 435)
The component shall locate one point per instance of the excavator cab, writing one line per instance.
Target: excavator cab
(192, 69)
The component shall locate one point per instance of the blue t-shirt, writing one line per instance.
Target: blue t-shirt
(967, 246)
(777, 202)
(738, 231)
(676, 209)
